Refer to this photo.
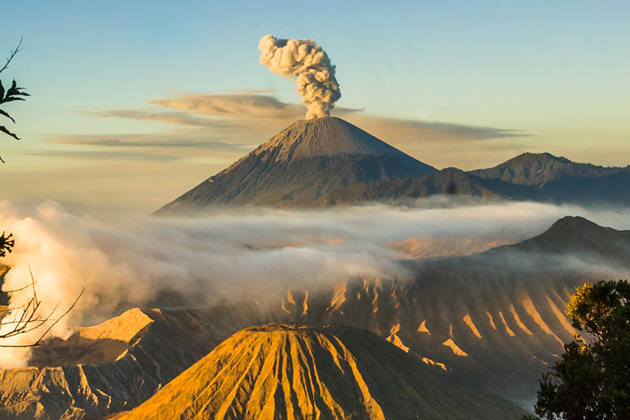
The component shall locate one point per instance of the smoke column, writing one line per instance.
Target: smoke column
(310, 63)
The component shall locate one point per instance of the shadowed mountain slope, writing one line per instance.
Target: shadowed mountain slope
(450, 181)
(540, 168)
(578, 236)
(547, 178)
(299, 166)
(531, 177)
(304, 371)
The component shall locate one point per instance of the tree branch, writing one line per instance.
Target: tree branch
(13, 53)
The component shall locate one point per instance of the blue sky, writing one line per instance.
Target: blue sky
(551, 74)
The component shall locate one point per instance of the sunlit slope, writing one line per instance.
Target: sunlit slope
(493, 320)
(293, 372)
(299, 166)
(117, 365)
(496, 319)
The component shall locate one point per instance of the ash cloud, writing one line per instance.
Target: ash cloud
(168, 262)
(238, 121)
(231, 105)
(316, 81)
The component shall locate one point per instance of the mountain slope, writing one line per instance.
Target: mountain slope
(117, 365)
(304, 371)
(540, 168)
(494, 321)
(547, 178)
(578, 236)
(531, 177)
(300, 165)
(450, 181)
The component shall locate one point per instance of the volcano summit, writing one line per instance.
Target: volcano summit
(299, 166)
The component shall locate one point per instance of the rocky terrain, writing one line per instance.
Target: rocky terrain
(117, 365)
(293, 371)
(494, 321)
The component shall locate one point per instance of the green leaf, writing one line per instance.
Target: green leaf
(4, 130)
(6, 114)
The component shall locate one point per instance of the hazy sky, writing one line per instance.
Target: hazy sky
(135, 102)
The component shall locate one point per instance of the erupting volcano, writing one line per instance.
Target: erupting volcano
(300, 166)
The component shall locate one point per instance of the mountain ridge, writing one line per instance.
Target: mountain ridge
(575, 234)
(492, 320)
(328, 371)
(537, 169)
(534, 177)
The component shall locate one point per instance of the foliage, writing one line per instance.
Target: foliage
(592, 380)
(6, 244)
(13, 93)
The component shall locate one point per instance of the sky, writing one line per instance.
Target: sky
(135, 102)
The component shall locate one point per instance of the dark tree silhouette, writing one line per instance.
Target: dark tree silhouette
(592, 380)
(6, 244)
(13, 93)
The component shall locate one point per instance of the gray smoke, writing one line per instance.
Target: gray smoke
(310, 63)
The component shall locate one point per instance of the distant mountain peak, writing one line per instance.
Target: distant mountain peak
(535, 169)
(574, 222)
(539, 157)
(574, 234)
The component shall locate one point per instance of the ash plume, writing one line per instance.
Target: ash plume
(310, 63)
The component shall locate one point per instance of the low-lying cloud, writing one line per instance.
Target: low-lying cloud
(148, 261)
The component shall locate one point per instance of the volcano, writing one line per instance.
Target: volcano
(299, 371)
(301, 165)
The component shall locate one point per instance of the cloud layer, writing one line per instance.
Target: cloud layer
(127, 262)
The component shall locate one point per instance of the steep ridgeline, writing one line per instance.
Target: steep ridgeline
(117, 365)
(295, 372)
(533, 177)
(495, 320)
(299, 166)
(547, 178)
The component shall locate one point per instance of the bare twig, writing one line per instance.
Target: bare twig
(27, 317)
(33, 283)
(13, 53)
(41, 337)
